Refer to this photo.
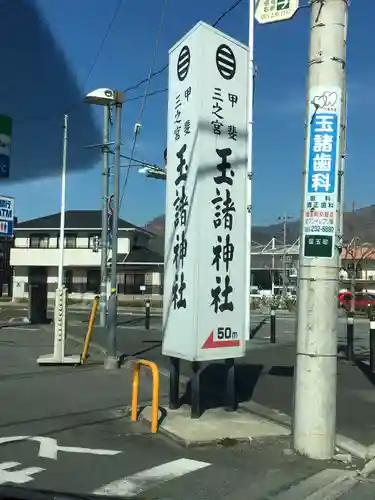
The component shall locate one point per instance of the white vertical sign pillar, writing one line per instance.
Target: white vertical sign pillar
(207, 252)
(58, 356)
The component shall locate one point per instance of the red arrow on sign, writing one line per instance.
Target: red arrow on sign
(211, 343)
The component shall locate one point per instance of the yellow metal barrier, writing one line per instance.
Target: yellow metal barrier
(155, 392)
(90, 328)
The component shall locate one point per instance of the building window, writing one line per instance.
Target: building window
(39, 241)
(93, 281)
(133, 283)
(70, 241)
(92, 238)
(68, 280)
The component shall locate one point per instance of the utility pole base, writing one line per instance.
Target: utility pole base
(314, 424)
(51, 359)
(111, 363)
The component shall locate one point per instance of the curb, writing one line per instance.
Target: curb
(23, 320)
(343, 443)
(189, 445)
(225, 442)
(86, 308)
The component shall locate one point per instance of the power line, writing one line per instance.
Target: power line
(156, 73)
(141, 162)
(149, 95)
(161, 70)
(104, 39)
(91, 69)
(226, 12)
(132, 87)
(143, 106)
(148, 81)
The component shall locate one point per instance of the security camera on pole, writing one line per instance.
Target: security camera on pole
(314, 424)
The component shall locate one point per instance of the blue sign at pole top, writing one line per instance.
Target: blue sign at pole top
(6, 216)
(323, 153)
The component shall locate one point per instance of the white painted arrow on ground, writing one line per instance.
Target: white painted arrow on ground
(48, 447)
(20, 476)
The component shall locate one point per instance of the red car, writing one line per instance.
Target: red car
(362, 301)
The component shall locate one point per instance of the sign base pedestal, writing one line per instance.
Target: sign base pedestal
(51, 359)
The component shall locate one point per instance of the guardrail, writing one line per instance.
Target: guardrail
(155, 392)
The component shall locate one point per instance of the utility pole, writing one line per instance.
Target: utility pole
(104, 237)
(111, 359)
(314, 420)
(250, 129)
(284, 219)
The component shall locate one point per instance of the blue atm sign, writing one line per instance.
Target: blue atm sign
(6, 216)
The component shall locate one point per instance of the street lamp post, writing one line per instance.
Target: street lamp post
(111, 362)
(154, 172)
(106, 97)
(104, 237)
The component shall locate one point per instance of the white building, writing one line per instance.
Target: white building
(35, 257)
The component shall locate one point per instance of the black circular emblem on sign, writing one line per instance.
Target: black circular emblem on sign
(183, 63)
(225, 62)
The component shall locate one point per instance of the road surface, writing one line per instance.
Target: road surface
(66, 429)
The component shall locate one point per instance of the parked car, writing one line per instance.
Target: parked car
(362, 301)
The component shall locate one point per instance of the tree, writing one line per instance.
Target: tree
(357, 252)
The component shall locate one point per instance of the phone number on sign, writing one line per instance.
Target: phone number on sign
(319, 229)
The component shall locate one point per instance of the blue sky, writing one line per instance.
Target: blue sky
(281, 56)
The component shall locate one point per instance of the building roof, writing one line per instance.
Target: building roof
(359, 252)
(74, 219)
(139, 256)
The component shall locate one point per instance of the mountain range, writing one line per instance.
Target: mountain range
(358, 223)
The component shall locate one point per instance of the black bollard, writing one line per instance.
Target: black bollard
(174, 384)
(148, 314)
(372, 340)
(273, 325)
(350, 336)
(195, 409)
(230, 392)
